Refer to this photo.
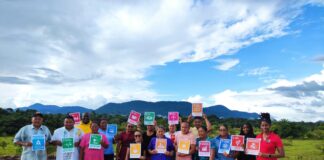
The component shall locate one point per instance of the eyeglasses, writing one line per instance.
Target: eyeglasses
(138, 135)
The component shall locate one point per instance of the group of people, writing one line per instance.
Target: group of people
(271, 146)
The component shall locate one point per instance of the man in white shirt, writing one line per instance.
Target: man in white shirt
(68, 131)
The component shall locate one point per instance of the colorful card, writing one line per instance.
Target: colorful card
(224, 146)
(173, 118)
(76, 116)
(253, 146)
(135, 150)
(237, 143)
(197, 109)
(112, 129)
(68, 145)
(204, 149)
(38, 142)
(149, 118)
(161, 145)
(134, 117)
(95, 140)
(184, 146)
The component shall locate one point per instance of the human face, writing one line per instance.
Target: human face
(265, 127)
(103, 124)
(129, 128)
(223, 131)
(184, 128)
(202, 133)
(197, 123)
(37, 121)
(150, 128)
(68, 123)
(94, 128)
(85, 118)
(160, 133)
(246, 129)
(138, 136)
(172, 128)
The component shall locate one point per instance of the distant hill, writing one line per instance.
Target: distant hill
(160, 108)
(53, 109)
(163, 107)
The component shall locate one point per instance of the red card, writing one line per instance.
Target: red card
(76, 116)
(134, 117)
(173, 117)
(253, 146)
(237, 142)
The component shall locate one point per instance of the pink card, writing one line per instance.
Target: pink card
(173, 117)
(76, 116)
(134, 117)
(204, 149)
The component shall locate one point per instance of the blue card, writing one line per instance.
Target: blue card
(224, 146)
(112, 129)
(38, 142)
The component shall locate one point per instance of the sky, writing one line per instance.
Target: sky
(249, 55)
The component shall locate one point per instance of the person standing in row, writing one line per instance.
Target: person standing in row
(185, 135)
(109, 152)
(86, 153)
(139, 140)
(67, 131)
(223, 134)
(123, 141)
(25, 135)
(85, 124)
(247, 132)
(270, 142)
(202, 132)
(198, 122)
(172, 132)
(168, 154)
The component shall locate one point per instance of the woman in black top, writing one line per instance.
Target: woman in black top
(247, 132)
(138, 139)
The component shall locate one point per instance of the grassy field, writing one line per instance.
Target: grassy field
(295, 149)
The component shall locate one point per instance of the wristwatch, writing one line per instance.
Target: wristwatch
(270, 156)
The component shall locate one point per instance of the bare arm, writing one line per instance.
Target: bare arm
(208, 124)
(127, 154)
(212, 154)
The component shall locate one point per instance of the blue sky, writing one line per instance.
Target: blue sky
(256, 56)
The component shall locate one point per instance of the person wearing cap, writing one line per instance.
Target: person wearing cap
(67, 131)
(24, 138)
(85, 124)
(198, 122)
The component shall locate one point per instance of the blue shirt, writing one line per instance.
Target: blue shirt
(220, 156)
(110, 138)
(25, 134)
(160, 156)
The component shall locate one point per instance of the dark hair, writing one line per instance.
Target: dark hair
(200, 118)
(69, 117)
(161, 127)
(250, 133)
(204, 128)
(103, 119)
(265, 117)
(224, 125)
(96, 122)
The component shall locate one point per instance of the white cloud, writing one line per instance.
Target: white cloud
(300, 100)
(194, 99)
(226, 64)
(256, 71)
(89, 53)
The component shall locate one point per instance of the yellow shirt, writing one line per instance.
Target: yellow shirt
(85, 128)
(194, 131)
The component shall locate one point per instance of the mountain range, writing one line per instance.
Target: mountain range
(160, 108)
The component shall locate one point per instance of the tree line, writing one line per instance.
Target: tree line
(12, 120)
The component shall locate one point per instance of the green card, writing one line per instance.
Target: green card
(95, 140)
(149, 118)
(67, 145)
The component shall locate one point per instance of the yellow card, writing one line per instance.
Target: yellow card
(161, 145)
(184, 146)
(135, 150)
